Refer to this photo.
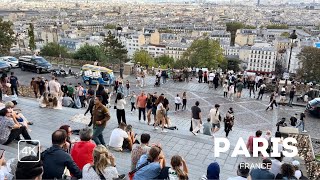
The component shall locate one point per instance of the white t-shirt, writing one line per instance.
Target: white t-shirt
(177, 100)
(214, 116)
(121, 103)
(117, 137)
(160, 106)
(109, 173)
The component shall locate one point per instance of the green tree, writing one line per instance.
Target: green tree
(232, 27)
(110, 26)
(55, 50)
(204, 52)
(114, 50)
(285, 34)
(7, 37)
(143, 57)
(279, 68)
(164, 60)
(310, 59)
(87, 52)
(233, 64)
(249, 27)
(277, 26)
(32, 44)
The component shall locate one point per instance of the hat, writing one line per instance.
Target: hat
(295, 163)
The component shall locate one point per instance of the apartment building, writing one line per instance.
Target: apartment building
(220, 35)
(245, 37)
(176, 50)
(155, 50)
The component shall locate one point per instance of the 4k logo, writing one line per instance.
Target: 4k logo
(24, 149)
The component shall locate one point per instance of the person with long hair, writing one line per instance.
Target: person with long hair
(103, 167)
(120, 103)
(175, 172)
(160, 114)
(286, 172)
(68, 144)
(149, 107)
(228, 121)
(184, 101)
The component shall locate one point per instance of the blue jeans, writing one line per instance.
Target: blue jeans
(127, 91)
(97, 135)
(301, 123)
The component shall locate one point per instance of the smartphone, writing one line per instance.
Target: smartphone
(2, 153)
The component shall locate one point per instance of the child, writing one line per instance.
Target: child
(133, 99)
(177, 101)
(207, 128)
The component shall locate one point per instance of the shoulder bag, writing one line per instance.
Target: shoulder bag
(131, 173)
(100, 175)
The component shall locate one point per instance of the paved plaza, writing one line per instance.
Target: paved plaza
(250, 115)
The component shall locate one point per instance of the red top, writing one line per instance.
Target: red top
(250, 143)
(82, 152)
(142, 101)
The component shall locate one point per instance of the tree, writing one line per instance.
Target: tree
(32, 44)
(249, 27)
(285, 34)
(232, 27)
(204, 52)
(113, 49)
(87, 52)
(55, 50)
(310, 63)
(143, 57)
(233, 64)
(164, 60)
(110, 26)
(279, 68)
(277, 26)
(7, 37)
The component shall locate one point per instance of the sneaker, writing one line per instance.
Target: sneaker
(304, 131)
(164, 131)
(156, 128)
(193, 133)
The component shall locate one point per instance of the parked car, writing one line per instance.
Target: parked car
(11, 61)
(34, 63)
(4, 67)
(313, 107)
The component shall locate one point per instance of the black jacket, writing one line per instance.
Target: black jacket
(55, 159)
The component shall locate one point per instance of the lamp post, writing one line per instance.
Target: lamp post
(292, 37)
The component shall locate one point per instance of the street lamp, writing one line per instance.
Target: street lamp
(293, 36)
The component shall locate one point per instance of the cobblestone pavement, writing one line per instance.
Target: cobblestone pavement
(250, 115)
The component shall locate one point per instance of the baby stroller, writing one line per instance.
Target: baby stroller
(157, 82)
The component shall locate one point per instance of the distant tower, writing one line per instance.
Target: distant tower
(258, 3)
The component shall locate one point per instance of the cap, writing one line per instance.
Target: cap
(295, 163)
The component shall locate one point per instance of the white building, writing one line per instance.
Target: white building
(176, 50)
(258, 59)
(154, 50)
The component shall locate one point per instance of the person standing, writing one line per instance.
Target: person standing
(205, 77)
(80, 92)
(120, 103)
(225, 89)
(127, 88)
(216, 81)
(215, 118)
(196, 118)
(14, 84)
(184, 101)
(291, 96)
(228, 121)
(160, 114)
(200, 74)
(251, 88)
(261, 91)
(41, 85)
(100, 117)
(141, 104)
(231, 91)
(90, 106)
(149, 107)
(302, 122)
(133, 99)
(34, 86)
(239, 88)
(283, 94)
(177, 101)
(272, 101)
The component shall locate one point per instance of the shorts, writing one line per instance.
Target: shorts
(216, 125)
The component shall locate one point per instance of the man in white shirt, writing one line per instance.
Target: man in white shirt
(242, 172)
(53, 87)
(117, 137)
(215, 118)
(276, 165)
